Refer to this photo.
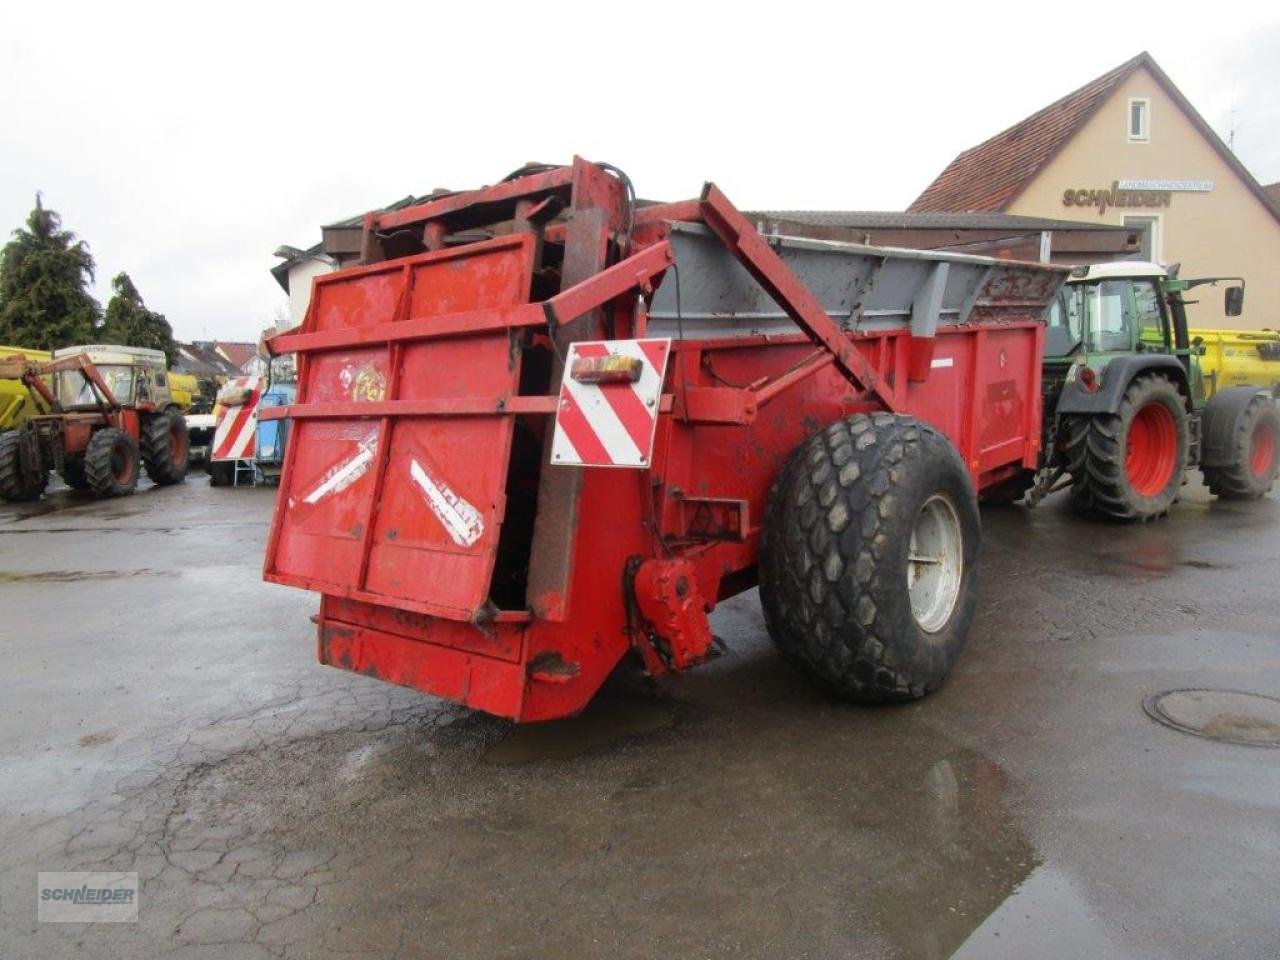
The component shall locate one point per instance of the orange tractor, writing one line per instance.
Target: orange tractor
(111, 415)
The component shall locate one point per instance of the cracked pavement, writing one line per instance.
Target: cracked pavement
(163, 713)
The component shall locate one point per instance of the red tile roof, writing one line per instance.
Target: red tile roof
(237, 353)
(993, 174)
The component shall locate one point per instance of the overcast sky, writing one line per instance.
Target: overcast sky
(186, 143)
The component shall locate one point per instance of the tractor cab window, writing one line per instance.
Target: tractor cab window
(74, 389)
(1062, 333)
(1123, 314)
(1152, 334)
(1107, 316)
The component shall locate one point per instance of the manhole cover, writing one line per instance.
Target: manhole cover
(1228, 715)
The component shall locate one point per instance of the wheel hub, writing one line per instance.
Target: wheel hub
(1262, 450)
(1151, 451)
(935, 563)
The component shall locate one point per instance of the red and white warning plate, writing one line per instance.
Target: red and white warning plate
(237, 425)
(609, 401)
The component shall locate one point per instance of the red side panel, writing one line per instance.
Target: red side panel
(403, 511)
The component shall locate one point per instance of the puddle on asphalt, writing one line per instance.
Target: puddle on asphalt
(1045, 915)
(606, 720)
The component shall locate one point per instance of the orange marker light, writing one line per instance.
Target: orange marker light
(611, 369)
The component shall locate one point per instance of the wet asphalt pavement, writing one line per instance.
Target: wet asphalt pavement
(162, 712)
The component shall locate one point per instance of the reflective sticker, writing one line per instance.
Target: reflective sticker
(346, 473)
(460, 519)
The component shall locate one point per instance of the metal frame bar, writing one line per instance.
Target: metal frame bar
(753, 252)
(510, 191)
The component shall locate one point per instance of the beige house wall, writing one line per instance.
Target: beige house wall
(1227, 231)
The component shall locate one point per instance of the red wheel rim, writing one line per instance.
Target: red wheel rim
(1262, 450)
(1151, 454)
(178, 442)
(121, 463)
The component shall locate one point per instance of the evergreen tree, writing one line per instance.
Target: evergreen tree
(129, 322)
(44, 272)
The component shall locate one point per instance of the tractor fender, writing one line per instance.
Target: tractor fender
(1115, 379)
(1218, 424)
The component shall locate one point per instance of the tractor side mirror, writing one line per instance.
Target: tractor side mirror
(1234, 301)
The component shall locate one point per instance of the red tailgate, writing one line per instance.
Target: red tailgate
(436, 480)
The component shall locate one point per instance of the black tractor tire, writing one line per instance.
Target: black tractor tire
(18, 485)
(111, 463)
(836, 562)
(72, 473)
(1010, 491)
(1255, 444)
(1130, 465)
(166, 449)
(222, 473)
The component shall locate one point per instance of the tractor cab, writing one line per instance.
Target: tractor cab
(137, 377)
(1110, 309)
(1121, 310)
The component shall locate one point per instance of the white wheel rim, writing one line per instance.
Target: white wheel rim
(935, 563)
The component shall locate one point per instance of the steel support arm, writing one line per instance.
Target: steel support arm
(777, 279)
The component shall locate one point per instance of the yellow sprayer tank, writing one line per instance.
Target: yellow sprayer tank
(1239, 358)
(184, 388)
(16, 402)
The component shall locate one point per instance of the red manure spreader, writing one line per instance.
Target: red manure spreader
(542, 426)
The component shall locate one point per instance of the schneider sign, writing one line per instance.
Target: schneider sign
(1134, 193)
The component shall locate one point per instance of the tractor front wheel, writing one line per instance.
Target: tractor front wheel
(867, 558)
(111, 463)
(1129, 465)
(16, 484)
(165, 447)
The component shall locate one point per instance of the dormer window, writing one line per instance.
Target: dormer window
(1139, 119)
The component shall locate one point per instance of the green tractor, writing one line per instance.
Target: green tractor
(1124, 400)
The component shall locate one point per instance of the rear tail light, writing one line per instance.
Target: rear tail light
(1089, 379)
(610, 369)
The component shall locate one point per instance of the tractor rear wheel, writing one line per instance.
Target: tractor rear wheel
(867, 558)
(165, 448)
(18, 485)
(111, 463)
(1254, 442)
(1129, 465)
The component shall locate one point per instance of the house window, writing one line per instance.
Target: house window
(1139, 119)
(1150, 229)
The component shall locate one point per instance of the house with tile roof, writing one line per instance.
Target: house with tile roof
(237, 353)
(1129, 149)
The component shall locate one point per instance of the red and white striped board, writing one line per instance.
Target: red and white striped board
(610, 424)
(237, 427)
